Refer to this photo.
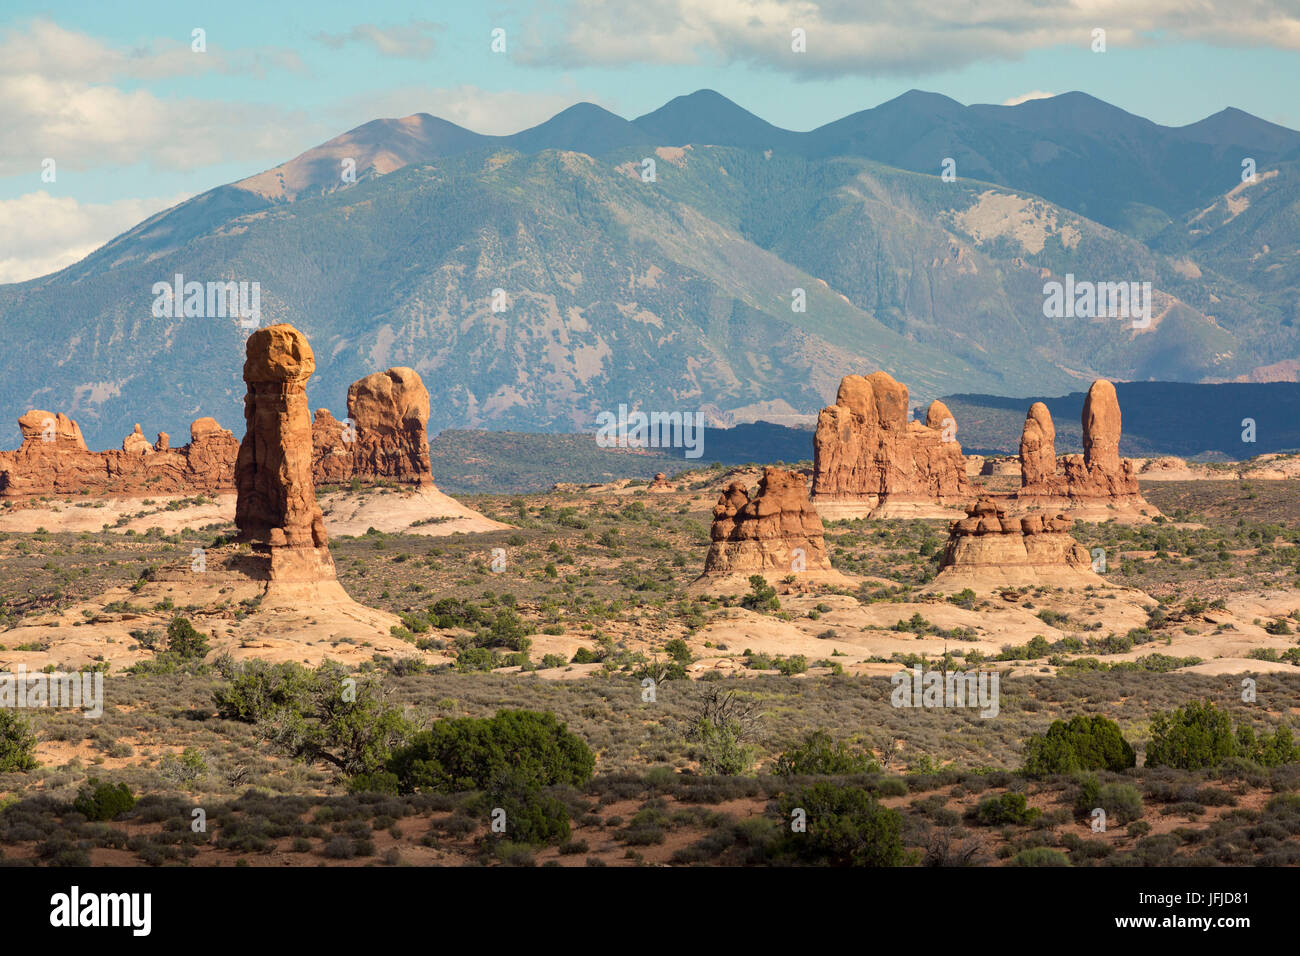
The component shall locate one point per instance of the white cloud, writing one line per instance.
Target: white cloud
(1026, 97)
(58, 99)
(412, 41)
(44, 47)
(885, 36)
(43, 233)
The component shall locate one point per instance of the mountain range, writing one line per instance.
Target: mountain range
(537, 279)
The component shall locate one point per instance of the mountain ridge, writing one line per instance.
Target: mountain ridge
(677, 291)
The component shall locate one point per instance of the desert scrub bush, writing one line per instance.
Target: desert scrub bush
(257, 689)
(1121, 801)
(183, 769)
(17, 743)
(761, 596)
(721, 727)
(529, 815)
(821, 755)
(1003, 809)
(1190, 738)
(845, 826)
(469, 753)
(1082, 743)
(338, 718)
(103, 801)
(1200, 735)
(184, 641)
(1267, 750)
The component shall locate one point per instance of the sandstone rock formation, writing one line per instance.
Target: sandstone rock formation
(384, 443)
(136, 444)
(276, 509)
(870, 460)
(1038, 449)
(332, 441)
(777, 533)
(387, 438)
(661, 484)
(1096, 485)
(391, 411)
(387, 441)
(987, 549)
(53, 460)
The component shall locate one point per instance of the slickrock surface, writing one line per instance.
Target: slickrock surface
(987, 549)
(777, 534)
(1097, 485)
(1171, 469)
(869, 460)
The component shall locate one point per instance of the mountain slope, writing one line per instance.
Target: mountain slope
(676, 294)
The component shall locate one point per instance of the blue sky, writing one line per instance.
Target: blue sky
(135, 120)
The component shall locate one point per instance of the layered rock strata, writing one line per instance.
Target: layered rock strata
(989, 549)
(53, 460)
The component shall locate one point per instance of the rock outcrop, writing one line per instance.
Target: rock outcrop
(136, 444)
(777, 533)
(661, 484)
(279, 570)
(331, 441)
(1038, 450)
(1096, 485)
(276, 510)
(386, 437)
(391, 411)
(386, 440)
(988, 549)
(869, 460)
(53, 460)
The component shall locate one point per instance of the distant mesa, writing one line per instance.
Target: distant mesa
(776, 534)
(869, 460)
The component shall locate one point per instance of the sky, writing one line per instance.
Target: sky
(111, 113)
